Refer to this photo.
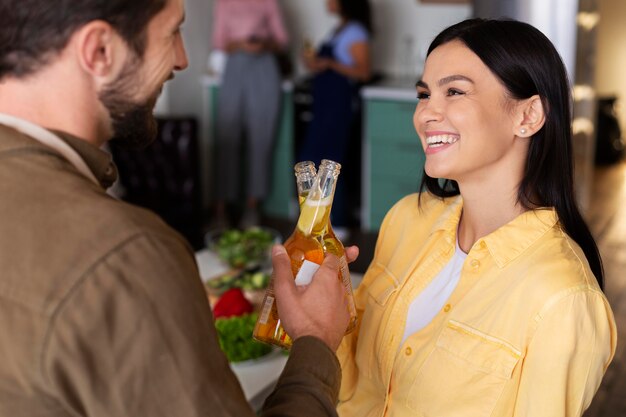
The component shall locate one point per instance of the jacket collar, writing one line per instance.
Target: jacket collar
(98, 162)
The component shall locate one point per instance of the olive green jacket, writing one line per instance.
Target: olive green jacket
(102, 311)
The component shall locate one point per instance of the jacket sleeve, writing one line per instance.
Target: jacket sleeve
(573, 344)
(309, 384)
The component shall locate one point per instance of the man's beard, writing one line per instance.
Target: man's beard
(133, 123)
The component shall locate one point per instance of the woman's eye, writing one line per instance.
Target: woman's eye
(455, 92)
(421, 95)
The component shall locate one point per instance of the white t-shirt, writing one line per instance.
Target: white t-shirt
(430, 301)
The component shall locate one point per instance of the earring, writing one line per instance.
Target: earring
(522, 131)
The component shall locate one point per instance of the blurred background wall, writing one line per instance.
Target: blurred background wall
(403, 30)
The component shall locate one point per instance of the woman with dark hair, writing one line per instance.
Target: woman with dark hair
(340, 65)
(484, 295)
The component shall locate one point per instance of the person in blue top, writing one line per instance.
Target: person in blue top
(340, 65)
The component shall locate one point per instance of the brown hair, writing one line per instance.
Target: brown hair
(33, 31)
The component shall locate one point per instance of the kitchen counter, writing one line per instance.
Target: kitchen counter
(392, 88)
(209, 80)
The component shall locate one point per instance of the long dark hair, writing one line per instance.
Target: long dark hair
(527, 64)
(33, 31)
(357, 10)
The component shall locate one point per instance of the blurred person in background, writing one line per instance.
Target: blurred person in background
(484, 297)
(339, 66)
(102, 309)
(251, 32)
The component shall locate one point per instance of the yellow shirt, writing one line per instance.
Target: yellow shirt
(527, 332)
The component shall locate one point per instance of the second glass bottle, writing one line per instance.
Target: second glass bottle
(312, 238)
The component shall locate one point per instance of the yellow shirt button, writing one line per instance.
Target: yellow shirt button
(408, 351)
(447, 308)
(475, 263)
(482, 244)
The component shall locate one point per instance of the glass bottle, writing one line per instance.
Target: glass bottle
(307, 47)
(305, 176)
(306, 247)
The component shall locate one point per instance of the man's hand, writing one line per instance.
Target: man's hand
(251, 46)
(318, 309)
(254, 46)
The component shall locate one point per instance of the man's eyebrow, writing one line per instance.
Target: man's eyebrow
(445, 80)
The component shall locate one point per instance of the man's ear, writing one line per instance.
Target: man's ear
(99, 49)
(531, 116)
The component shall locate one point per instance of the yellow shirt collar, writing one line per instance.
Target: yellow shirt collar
(509, 241)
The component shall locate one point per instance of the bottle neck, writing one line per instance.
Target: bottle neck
(304, 187)
(305, 176)
(315, 210)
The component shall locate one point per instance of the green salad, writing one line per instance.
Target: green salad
(235, 337)
(247, 281)
(247, 248)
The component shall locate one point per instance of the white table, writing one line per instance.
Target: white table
(257, 378)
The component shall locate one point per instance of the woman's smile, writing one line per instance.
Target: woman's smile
(439, 141)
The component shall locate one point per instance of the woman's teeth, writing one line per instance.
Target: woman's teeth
(440, 140)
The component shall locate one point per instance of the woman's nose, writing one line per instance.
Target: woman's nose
(428, 110)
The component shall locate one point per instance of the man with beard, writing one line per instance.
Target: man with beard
(102, 311)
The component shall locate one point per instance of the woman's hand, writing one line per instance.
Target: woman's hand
(352, 252)
(359, 71)
(317, 64)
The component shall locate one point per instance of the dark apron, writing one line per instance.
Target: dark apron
(329, 131)
(334, 98)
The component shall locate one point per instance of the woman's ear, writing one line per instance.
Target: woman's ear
(531, 116)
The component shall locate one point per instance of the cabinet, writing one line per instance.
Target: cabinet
(393, 158)
(282, 200)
